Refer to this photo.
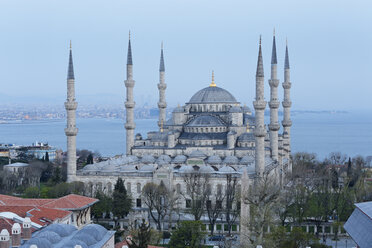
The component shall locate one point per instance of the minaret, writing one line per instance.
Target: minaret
(259, 106)
(287, 123)
(274, 104)
(71, 130)
(129, 104)
(162, 104)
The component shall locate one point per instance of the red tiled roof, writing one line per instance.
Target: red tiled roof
(6, 224)
(38, 215)
(71, 202)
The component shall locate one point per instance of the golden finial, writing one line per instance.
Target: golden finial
(70, 45)
(161, 126)
(247, 127)
(212, 83)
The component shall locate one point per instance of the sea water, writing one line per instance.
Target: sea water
(319, 133)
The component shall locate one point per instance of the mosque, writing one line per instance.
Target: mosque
(211, 133)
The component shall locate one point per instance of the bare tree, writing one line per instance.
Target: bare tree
(214, 207)
(261, 197)
(336, 158)
(196, 192)
(232, 199)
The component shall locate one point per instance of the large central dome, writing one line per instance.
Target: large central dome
(212, 95)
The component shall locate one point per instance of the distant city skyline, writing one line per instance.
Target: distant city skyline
(329, 49)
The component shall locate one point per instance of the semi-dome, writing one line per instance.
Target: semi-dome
(212, 95)
(214, 159)
(205, 120)
(179, 159)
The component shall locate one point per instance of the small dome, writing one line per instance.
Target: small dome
(39, 242)
(247, 160)
(197, 154)
(205, 121)
(214, 159)
(164, 159)
(138, 136)
(246, 137)
(62, 230)
(148, 159)
(227, 169)
(231, 160)
(160, 137)
(250, 168)
(147, 168)
(128, 168)
(179, 159)
(179, 109)
(246, 109)
(4, 232)
(85, 237)
(206, 169)
(235, 109)
(90, 167)
(97, 231)
(186, 169)
(212, 95)
(51, 236)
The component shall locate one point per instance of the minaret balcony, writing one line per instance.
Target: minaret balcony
(287, 85)
(71, 105)
(162, 86)
(129, 105)
(162, 104)
(259, 105)
(274, 126)
(287, 104)
(129, 83)
(287, 123)
(130, 126)
(274, 104)
(260, 131)
(71, 131)
(273, 82)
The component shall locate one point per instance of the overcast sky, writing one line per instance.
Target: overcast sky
(329, 43)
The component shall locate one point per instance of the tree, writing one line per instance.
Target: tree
(90, 159)
(32, 192)
(121, 203)
(336, 158)
(187, 235)
(46, 157)
(103, 206)
(232, 203)
(159, 200)
(214, 207)
(261, 198)
(196, 192)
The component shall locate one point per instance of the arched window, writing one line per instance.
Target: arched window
(129, 188)
(138, 188)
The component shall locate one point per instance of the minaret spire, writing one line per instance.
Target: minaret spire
(71, 130)
(259, 106)
(129, 104)
(213, 84)
(274, 104)
(287, 103)
(162, 104)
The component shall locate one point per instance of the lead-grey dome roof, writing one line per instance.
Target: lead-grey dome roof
(205, 120)
(212, 95)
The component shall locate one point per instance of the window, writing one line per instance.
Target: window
(209, 190)
(188, 203)
(138, 188)
(129, 188)
(178, 188)
(138, 203)
(219, 189)
(209, 204)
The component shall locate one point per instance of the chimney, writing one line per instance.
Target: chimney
(16, 235)
(4, 239)
(26, 228)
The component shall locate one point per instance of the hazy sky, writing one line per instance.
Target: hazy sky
(330, 45)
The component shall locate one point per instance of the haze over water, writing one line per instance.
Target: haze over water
(320, 133)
